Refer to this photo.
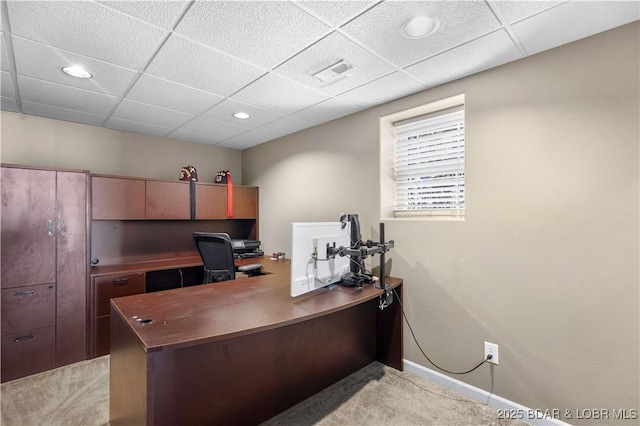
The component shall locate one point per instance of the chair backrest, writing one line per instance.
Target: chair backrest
(216, 252)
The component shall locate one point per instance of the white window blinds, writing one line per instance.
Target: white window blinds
(429, 164)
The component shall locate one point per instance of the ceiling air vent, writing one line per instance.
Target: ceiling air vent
(335, 72)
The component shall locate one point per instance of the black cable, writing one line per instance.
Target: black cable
(419, 347)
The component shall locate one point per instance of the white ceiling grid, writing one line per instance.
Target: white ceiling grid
(181, 69)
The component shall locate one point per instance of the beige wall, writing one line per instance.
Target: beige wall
(546, 263)
(38, 141)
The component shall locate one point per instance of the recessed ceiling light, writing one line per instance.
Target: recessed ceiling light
(242, 115)
(420, 26)
(77, 71)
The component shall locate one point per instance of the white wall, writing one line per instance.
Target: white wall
(546, 263)
(43, 142)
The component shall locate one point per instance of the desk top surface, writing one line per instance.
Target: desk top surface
(217, 311)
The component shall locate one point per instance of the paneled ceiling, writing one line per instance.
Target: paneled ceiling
(181, 69)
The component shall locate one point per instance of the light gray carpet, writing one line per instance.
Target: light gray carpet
(78, 395)
(74, 395)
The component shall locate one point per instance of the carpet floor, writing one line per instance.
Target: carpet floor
(78, 395)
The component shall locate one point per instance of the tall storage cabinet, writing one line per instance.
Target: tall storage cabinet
(44, 270)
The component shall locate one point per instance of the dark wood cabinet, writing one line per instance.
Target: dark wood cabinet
(27, 353)
(103, 290)
(28, 308)
(245, 202)
(167, 200)
(44, 269)
(211, 201)
(115, 198)
(123, 198)
(28, 227)
(72, 274)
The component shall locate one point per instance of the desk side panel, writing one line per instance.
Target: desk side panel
(249, 379)
(389, 345)
(130, 378)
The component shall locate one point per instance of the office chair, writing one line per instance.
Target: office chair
(216, 251)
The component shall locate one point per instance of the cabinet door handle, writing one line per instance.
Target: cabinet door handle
(24, 293)
(22, 338)
(121, 281)
(49, 227)
(63, 229)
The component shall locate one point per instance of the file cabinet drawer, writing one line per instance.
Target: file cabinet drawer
(28, 353)
(28, 308)
(112, 286)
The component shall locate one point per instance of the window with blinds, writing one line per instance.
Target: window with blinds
(429, 164)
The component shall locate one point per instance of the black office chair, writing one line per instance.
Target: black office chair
(216, 251)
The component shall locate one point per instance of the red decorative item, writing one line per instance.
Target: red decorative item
(224, 176)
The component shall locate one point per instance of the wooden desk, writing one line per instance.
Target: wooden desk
(242, 351)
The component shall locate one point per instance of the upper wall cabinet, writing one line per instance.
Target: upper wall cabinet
(211, 201)
(245, 202)
(168, 200)
(115, 198)
(122, 198)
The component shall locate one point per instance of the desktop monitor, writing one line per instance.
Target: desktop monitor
(313, 266)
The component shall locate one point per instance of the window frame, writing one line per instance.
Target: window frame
(387, 158)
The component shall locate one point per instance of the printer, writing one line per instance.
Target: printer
(243, 249)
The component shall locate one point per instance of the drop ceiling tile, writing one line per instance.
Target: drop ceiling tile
(45, 63)
(9, 104)
(264, 33)
(329, 51)
(381, 28)
(278, 94)
(286, 125)
(133, 126)
(251, 138)
(326, 111)
(236, 144)
(224, 112)
(4, 60)
(166, 94)
(62, 113)
(276, 129)
(573, 21)
(197, 66)
(47, 93)
(385, 89)
(486, 52)
(160, 13)
(512, 11)
(143, 113)
(193, 137)
(335, 12)
(7, 85)
(217, 129)
(86, 28)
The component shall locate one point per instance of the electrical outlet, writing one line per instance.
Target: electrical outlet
(491, 349)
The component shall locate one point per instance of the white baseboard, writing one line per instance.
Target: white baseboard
(484, 397)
